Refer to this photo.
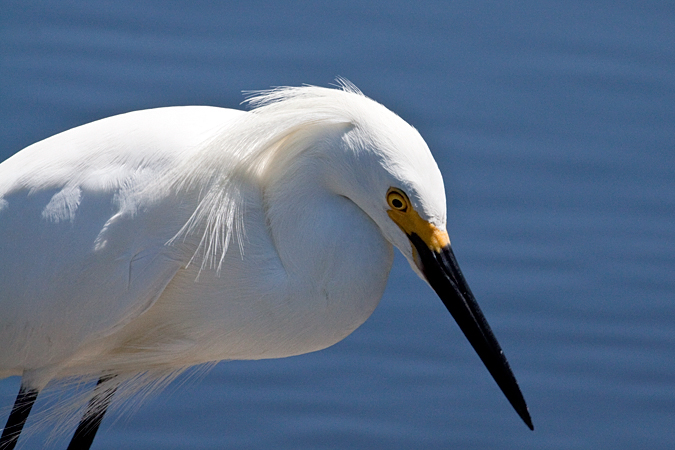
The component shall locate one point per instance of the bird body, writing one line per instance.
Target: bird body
(160, 239)
(110, 282)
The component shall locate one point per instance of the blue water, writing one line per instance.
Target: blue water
(554, 126)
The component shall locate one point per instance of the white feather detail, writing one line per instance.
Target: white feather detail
(241, 152)
(63, 205)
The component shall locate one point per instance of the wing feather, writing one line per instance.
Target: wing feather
(83, 234)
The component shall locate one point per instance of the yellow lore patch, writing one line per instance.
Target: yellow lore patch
(410, 221)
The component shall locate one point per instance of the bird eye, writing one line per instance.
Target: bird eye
(397, 200)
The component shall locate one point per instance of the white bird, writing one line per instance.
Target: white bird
(156, 240)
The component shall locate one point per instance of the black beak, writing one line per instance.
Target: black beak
(443, 274)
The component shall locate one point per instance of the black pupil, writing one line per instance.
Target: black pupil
(397, 203)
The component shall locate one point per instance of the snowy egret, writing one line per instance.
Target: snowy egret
(156, 240)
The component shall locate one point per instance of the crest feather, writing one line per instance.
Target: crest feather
(239, 152)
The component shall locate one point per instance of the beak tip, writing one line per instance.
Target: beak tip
(515, 397)
(509, 386)
(527, 419)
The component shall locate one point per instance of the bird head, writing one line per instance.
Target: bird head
(392, 176)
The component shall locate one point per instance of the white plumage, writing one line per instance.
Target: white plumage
(160, 239)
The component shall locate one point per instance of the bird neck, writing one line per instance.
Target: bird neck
(331, 250)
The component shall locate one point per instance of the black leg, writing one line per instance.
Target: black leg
(86, 430)
(17, 418)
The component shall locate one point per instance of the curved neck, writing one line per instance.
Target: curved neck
(331, 250)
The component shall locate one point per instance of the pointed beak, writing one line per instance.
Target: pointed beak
(439, 266)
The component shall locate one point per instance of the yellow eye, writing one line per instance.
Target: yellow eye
(397, 200)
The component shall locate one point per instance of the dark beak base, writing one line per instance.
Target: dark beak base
(442, 272)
